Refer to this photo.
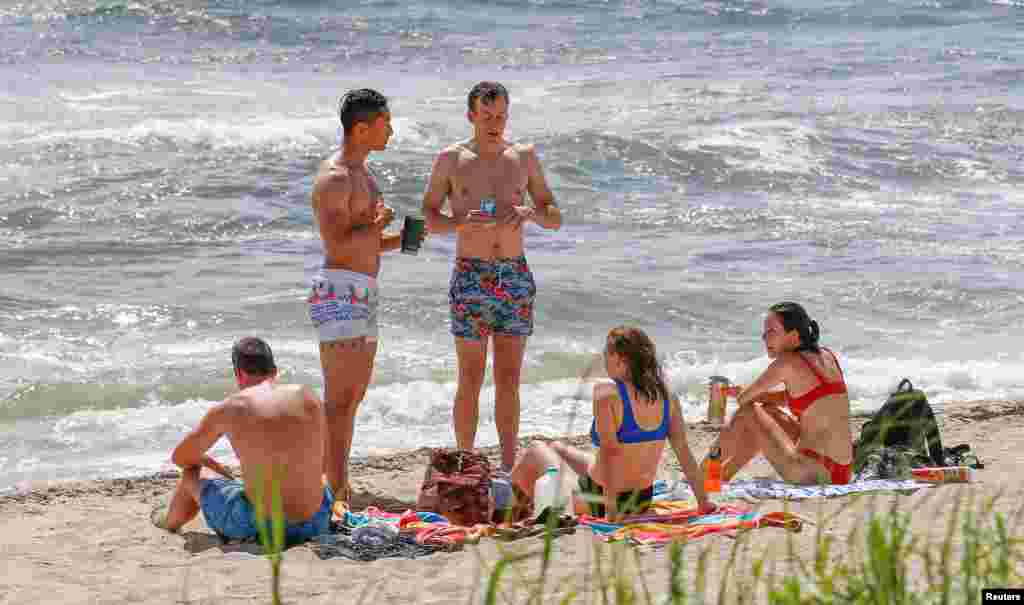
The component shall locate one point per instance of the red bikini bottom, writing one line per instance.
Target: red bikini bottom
(841, 473)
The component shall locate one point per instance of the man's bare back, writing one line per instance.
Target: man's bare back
(277, 431)
(350, 213)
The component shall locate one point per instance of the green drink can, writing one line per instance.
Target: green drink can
(412, 231)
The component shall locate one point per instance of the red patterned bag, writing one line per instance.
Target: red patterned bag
(457, 485)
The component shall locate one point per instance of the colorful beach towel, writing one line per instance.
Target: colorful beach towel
(775, 489)
(374, 534)
(425, 528)
(678, 521)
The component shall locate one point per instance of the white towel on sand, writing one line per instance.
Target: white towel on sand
(763, 489)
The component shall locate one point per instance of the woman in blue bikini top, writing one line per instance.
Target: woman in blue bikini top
(626, 461)
(629, 431)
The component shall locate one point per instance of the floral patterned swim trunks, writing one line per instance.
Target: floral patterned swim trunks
(491, 297)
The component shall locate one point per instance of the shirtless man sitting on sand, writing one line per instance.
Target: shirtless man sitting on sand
(485, 180)
(277, 433)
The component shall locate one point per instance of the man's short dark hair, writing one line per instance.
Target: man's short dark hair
(488, 93)
(254, 356)
(360, 105)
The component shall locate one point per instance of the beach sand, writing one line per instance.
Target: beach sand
(92, 542)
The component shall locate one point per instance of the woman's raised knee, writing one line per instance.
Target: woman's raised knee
(740, 421)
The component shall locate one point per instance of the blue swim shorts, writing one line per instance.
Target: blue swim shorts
(491, 297)
(229, 513)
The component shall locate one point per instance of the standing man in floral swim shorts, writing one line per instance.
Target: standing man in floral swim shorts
(485, 180)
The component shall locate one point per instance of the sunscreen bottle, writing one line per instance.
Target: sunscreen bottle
(944, 474)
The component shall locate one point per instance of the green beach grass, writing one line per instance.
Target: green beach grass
(881, 562)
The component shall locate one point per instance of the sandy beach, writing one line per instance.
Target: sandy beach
(92, 542)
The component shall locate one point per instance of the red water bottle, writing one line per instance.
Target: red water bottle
(713, 471)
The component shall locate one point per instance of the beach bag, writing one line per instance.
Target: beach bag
(457, 486)
(905, 423)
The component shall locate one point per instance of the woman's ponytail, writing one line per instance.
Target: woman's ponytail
(795, 317)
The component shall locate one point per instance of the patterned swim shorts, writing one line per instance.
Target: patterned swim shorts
(491, 297)
(343, 305)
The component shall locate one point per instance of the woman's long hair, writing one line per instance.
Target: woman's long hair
(642, 360)
(795, 317)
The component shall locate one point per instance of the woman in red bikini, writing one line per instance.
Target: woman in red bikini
(804, 430)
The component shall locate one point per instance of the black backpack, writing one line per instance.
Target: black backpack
(905, 422)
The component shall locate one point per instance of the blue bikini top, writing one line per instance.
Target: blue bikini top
(629, 431)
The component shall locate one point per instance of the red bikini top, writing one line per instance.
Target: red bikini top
(800, 404)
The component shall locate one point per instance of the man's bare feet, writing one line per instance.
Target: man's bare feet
(159, 513)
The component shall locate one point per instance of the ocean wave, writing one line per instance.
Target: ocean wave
(294, 132)
(114, 428)
(417, 402)
(267, 133)
(743, 161)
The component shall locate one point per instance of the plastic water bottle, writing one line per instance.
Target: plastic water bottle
(547, 492)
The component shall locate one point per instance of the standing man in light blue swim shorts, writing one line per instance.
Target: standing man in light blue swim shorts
(485, 180)
(351, 215)
(277, 432)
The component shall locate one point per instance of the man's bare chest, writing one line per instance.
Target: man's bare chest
(484, 177)
(362, 198)
(365, 195)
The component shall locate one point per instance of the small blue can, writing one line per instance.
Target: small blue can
(489, 207)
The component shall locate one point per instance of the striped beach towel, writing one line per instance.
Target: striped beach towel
(678, 521)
